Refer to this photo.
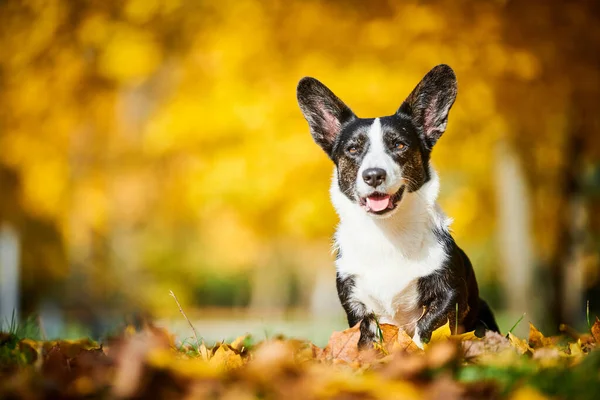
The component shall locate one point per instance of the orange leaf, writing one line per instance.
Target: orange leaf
(537, 340)
(343, 345)
(596, 330)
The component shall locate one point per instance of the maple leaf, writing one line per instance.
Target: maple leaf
(343, 345)
(537, 339)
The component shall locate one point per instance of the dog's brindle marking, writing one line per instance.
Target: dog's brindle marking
(399, 264)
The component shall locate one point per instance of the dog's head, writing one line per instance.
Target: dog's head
(379, 159)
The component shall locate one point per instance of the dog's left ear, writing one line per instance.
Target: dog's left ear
(429, 103)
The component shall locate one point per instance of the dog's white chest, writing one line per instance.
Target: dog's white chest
(385, 277)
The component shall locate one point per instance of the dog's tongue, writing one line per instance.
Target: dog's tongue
(378, 203)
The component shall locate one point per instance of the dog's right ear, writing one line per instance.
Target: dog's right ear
(325, 113)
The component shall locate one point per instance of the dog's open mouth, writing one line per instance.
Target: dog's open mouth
(381, 203)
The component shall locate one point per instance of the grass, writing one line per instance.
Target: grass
(27, 329)
(516, 324)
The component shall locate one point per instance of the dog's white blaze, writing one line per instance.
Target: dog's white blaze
(387, 256)
(377, 157)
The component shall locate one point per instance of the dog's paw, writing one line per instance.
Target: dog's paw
(365, 343)
(417, 339)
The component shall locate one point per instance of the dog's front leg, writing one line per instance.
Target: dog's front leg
(356, 311)
(439, 311)
(368, 332)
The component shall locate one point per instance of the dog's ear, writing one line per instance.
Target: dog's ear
(429, 103)
(325, 113)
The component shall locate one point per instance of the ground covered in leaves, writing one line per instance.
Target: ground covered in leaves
(148, 363)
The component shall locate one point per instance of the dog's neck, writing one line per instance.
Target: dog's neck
(410, 229)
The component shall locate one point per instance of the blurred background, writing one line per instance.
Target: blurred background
(156, 145)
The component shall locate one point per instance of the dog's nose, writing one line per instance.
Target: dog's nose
(374, 176)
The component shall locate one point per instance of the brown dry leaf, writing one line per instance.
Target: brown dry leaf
(405, 343)
(389, 333)
(537, 339)
(130, 352)
(596, 330)
(343, 345)
(395, 339)
(70, 348)
(56, 366)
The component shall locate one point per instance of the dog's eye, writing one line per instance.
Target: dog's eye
(399, 145)
(352, 150)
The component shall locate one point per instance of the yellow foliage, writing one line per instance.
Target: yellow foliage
(528, 393)
(439, 335)
(154, 120)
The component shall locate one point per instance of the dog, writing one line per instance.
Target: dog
(396, 260)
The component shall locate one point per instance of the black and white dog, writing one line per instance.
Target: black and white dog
(396, 260)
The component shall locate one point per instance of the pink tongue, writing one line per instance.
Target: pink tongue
(378, 204)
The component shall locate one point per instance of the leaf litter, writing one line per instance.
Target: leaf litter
(149, 363)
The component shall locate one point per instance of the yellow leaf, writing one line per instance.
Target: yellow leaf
(440, 334)
(519, 344)
(527, 393)
(204, 352)
(537, 339)
(575, 349)
(238, 343)
(226, 358)
(465, 336)
(160, 358)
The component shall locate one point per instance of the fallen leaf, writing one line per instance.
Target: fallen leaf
(441, 353)
(203, 351)
(440, 334)
(343, 345)
(238, 343)
(226, 358)
(445, 388)
(575, 349)
(465, 336)
(537, 339)
(548, 357)
(396, 339)
(519, 344)
(492, 343)
(403, 365)
(596, 330)
(405, 343)
(527, 393)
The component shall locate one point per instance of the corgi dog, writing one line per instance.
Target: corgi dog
(396, 260)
